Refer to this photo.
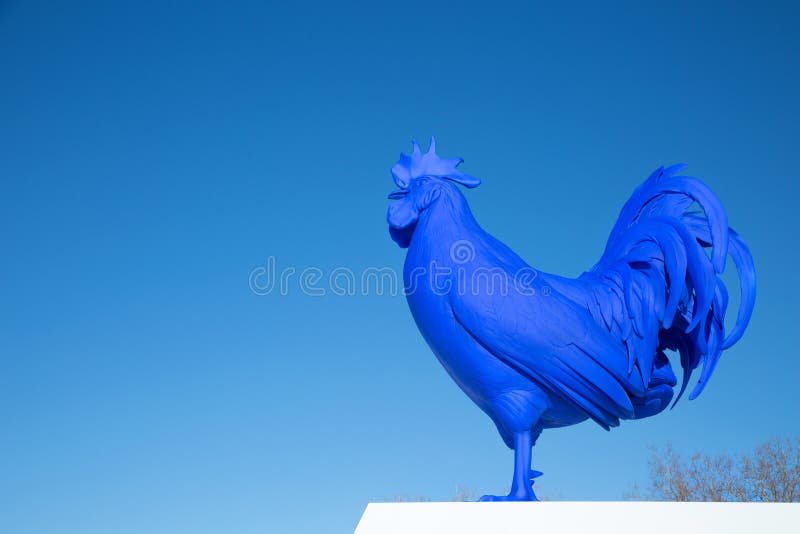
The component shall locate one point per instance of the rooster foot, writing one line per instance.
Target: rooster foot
(508, 498)
(522, 483)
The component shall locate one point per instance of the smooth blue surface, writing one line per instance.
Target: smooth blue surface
(152, 156)
(536, 351)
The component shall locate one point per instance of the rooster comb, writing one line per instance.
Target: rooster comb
(418, 164)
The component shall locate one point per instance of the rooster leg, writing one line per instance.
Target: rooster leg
(522, 483)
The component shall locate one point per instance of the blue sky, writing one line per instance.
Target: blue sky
(153, 156)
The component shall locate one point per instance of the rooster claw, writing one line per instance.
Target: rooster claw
(493, 498)
(504, 498)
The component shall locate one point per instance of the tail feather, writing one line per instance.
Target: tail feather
(672, 296)
(743, 260)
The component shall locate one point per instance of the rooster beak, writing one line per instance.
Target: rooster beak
(400, 193)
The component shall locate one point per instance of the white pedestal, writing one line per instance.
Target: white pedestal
(579, 518)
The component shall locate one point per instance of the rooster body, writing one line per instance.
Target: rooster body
(536, 351)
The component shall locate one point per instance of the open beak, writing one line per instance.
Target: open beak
(395, 195)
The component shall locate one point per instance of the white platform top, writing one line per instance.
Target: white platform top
(579, 518)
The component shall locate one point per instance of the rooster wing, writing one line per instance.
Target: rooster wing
(555, 344)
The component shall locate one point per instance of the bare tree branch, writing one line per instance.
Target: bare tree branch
(771, 473)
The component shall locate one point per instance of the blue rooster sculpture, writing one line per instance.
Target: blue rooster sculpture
(537, 351)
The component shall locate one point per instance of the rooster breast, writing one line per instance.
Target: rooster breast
(509, 396)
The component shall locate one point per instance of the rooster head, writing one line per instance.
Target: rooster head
(420, 179)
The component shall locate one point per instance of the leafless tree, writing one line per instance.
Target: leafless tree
(771, 473)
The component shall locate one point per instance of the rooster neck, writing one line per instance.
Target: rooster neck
(446, 221)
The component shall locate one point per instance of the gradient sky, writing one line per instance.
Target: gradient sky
(153, 156)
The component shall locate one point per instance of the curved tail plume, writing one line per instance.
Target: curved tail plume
(663, 263)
